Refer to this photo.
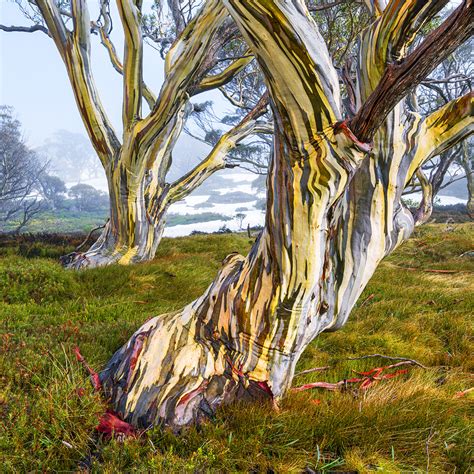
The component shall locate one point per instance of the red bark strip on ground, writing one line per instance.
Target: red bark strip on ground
(95, 380)
(112, 426)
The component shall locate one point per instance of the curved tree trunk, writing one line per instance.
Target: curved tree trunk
(334, 212)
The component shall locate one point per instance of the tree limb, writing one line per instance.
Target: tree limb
(74, 50)
(148, 94)
(425, 208)
(291, 39)
(399, 79)
(182, 63)
(130, 16)
(441, 130)
(25, 29)
(225, 76)
(216, 160)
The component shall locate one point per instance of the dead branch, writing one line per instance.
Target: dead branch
(314, 369)
(381, 356)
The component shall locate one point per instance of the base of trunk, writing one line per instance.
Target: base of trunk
(166, 375)
(105, 251)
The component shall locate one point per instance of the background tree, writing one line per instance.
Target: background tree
(71, 156)
(20, 172)
(52, 190)
(334, 210)
(87, 198)
(137, 163)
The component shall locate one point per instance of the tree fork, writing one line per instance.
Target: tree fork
(333, 213)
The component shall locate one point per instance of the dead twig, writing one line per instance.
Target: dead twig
(89, 236)
(431, 270)
(370, 297)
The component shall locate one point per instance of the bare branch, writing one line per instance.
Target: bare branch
(25, 29)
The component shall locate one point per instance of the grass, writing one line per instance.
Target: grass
(83, 221)
(412, 423)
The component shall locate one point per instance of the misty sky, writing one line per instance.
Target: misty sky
(33, 78)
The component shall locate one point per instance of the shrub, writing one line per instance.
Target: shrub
(24, 281)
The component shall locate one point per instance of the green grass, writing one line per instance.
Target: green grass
(83, 221)
(408, 424)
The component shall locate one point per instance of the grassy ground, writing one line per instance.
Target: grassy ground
(83, 221)
(411, 423)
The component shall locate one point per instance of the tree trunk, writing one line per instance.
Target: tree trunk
(333, 213)
(131, 234)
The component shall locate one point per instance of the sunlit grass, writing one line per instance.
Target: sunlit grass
(412, 423)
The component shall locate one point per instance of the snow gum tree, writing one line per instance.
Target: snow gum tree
(137, 162)
(334, 209)
(335, 182)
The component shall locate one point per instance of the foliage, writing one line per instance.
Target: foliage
(407, 310)
(87, 198)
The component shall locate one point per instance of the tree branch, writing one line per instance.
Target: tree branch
(130, 14)
(225, 76)
(148, 94)
(182, 63)
(291, 40)
(25, 29)
(425, 208)
(74, 51)
(399, 79)
(216, 160)
(440, 131)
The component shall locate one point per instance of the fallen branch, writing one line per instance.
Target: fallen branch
(463, 393)
(368, 379)
(381, 356)
(314, 369)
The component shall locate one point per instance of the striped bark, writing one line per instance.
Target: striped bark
(136, 165)
(334, 211)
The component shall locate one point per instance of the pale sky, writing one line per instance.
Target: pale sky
(33, 79)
